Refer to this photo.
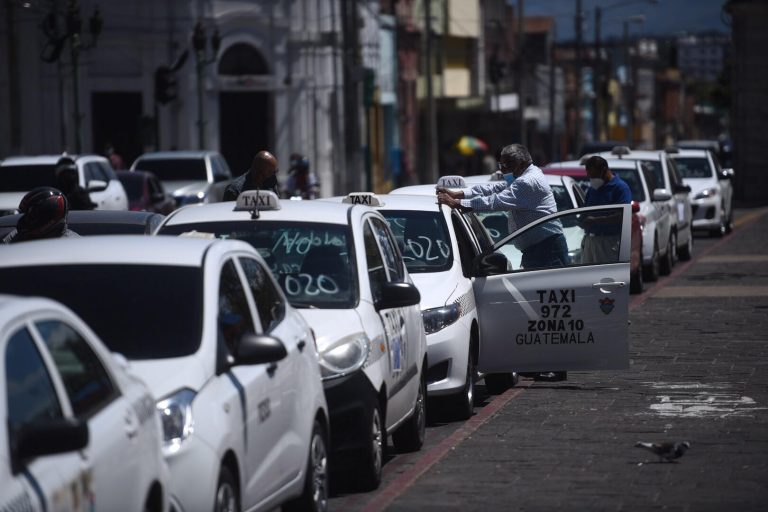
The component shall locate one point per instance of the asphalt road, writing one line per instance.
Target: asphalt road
(698, 372)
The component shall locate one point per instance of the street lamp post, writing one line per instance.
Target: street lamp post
(629, 86)
(55, 44)
(199, 44)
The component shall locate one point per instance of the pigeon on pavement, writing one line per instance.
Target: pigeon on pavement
(666, 451)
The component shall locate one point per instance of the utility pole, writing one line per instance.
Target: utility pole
(351, 74)
(579, 24)
(432, 171)
(552, 76)
(521, 70)
(597, 75)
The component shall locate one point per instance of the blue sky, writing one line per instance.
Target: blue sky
(666, 17)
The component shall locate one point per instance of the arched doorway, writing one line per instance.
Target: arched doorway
(245, 106)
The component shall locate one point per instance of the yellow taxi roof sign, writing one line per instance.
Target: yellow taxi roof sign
(451, 182)
(364, 198)
(257, 200)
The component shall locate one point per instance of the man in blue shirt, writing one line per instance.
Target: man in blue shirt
(526, 199)
(603, 232)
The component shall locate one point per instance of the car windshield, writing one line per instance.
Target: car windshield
(693, 167)
(174, 169)
(140, 311)
(313, 262)
(23, 178)
(423, 239)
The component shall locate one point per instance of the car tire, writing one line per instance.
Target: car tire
(651, 271)
(410, 436)
(463, 403)
(314, 496)
(369, 475)
(227, 498)
(636, 281)
(668, 261)
(729, 224)
(497, 383)
(685, 253)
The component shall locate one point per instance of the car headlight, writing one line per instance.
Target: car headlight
(176, 417)
(436, 319)
(707, 192)
(344, 356)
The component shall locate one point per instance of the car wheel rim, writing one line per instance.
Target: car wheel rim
(225, 498)
(319, 474)
(377, 441)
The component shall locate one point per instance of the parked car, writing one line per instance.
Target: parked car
(678, 207)
(145, 192)
(189, 176)
(232, 366)
(77, 427)
(340, 266)
(438, 246)
(641, 207)
(711, 190)
(20, 174)
(99, 222)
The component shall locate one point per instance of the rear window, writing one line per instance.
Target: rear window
(140, 311)
(23, 178)
(693, 167)
(174, 169)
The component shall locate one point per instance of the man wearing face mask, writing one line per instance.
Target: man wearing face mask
(527, 198)
(603, 232)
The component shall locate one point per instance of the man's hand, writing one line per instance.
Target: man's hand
(443, 198)
(455, 194)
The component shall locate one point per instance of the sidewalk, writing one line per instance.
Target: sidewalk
(699, 372)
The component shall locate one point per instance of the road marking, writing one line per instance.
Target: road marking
(394, 489)
(697, 400)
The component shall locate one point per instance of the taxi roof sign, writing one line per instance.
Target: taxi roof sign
(364, 198)
(257, 200)
(451, 182)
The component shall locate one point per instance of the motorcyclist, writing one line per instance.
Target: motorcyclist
(67, 181)
(44, 215)
(301, 183)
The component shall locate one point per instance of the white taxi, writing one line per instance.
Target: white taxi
(232, 366)
(340, 266)
(573, 318)
(70, 412)
(438, 246)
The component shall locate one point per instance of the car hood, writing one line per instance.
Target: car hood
(9, 201)
(699, 184)
(436, 288)
(332, 324)
(185, 188)
(166, 376)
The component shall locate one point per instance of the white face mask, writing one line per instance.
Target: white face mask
(596, 182)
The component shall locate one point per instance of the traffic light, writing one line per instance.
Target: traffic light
(166, 88)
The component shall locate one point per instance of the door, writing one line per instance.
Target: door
(562, 318)
(258, 391)
(117, 121)
(112, 421)
(245, 124)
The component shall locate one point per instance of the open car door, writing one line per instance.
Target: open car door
(557, 317)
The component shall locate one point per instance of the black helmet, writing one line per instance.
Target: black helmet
(44, 213)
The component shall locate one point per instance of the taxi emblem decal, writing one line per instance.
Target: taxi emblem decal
(606, 305)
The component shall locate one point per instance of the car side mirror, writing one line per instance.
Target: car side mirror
(259, 349)
(661, 194)
(47, 437)
(490, 264)
(97, 186)
(726, 174)
(398, 295)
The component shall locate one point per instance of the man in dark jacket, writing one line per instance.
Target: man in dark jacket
(261, 176)
(67, 181)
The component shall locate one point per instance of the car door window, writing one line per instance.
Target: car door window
(93, 171)
(234, 315)
(392, 258)
(377, 274)
(30, 392)
(108, 171)
(269, 304)
(466, 247)
(482, 234)
(88, 383)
